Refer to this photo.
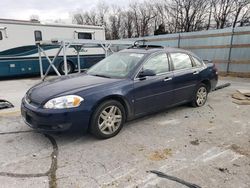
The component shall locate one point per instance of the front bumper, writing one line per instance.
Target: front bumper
(54, 120)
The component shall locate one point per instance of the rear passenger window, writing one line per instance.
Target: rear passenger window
(197, 61)
(1, 35)
(38, 36)
(181, 61)
(158, 63)
(84, 35)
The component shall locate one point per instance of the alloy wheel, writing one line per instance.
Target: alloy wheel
(110, 120)
(201, 96)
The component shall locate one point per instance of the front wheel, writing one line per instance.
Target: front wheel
(108, 119)
(200, 97)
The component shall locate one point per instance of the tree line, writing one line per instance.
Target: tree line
(165, 16)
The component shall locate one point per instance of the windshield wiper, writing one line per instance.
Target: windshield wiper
(99, 75)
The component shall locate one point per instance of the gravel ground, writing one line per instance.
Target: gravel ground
(195, 147)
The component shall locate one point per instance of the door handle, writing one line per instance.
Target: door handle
(167, 79)
(196, 72)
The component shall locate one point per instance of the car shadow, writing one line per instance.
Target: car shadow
(156, 114)
(72, 136)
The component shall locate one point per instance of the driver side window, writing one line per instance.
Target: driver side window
(158, 64)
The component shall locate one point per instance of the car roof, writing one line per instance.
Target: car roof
(151, 49)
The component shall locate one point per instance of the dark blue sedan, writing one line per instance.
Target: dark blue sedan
(126, 85)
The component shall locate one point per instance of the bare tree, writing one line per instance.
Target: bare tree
(166, 16)
(85, 18)
(102, 11)
(96, 16)
(221, 12)
(115, 22)
(245, 18)
(77, 17)
(143, 14)
(189, 15)
(136, 19)
(34, 17)
(209, 15)
(241, 11)
(127, 23)
(161, 13)
(147, 14)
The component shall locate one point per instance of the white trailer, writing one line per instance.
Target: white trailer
(19, 52)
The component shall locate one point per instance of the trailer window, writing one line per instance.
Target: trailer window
(84, 35)
(38, 36)
(1, 36)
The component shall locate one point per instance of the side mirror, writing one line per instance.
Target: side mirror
(146, 72)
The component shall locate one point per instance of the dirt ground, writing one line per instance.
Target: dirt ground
(194, 147)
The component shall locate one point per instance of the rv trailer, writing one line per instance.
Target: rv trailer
(19, 52)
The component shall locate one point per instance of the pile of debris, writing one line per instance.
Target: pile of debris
(5, 104)
(242, 97)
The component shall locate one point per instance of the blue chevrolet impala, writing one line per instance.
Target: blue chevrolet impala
(126, 85)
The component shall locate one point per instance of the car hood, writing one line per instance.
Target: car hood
(44, 91)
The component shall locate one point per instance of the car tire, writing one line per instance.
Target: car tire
(200, 96)
(70, 67)
(108, 119)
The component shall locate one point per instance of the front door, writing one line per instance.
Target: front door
(154, 92)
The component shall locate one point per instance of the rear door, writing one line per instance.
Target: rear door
(154, 92)
(186, 77)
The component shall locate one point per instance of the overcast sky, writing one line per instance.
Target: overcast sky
(49, 9)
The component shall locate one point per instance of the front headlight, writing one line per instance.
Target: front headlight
(69, 101)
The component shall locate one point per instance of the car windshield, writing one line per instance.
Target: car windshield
(117, 65)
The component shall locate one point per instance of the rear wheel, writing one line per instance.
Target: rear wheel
(70, 67)
(108, 119)
(200, 97)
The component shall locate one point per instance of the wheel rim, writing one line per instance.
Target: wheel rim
(201, 96)
(110, 120)
(68, 68)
